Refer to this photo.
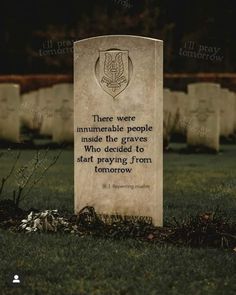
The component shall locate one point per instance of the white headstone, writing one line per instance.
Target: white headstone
(183, 111)
(63, 120)
(29, 110)
(170, 106)
(46, 110)
(118, 126)
(171, 115)
(204, 127)
(227, 106)
(9, 112)
(23, 110)
(234, 112)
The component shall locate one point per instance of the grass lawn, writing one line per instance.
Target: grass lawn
(65, 264)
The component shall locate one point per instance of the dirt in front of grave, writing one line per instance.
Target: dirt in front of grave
(10, 214)
(211, 229)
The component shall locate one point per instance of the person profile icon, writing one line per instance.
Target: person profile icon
(16, 279)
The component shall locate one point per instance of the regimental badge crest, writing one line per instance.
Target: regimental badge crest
(65, 111)
(114, 71)
(202, 112)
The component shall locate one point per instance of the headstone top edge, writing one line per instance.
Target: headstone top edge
(225, 89)
(178, 92)
(118, 36)
(61, 84)
(10, 84)
(203, 84)
(46, 88)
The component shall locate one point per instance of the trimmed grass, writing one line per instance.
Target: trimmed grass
(198, 183)
(65, 264)
(70, 265)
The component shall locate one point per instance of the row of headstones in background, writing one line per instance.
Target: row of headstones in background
(50, 110)
(227, 112)
(203, 114)
(9, 112)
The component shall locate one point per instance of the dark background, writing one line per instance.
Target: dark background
(26, 27)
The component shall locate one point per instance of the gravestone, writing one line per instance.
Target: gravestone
(46, 110)
(227, 105)
(23, 110)
(182, 113)
(29, 110)
(234, 112)
(204, 127)
(118, 126)
(170, 108)
(63, 121)
(9, 112)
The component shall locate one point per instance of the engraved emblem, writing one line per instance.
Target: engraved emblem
(202, 112)
(65, 111)
(48, 109)
(113, 71)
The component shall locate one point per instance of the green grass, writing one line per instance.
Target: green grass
(196, 183)
(70, 265)
(65, 264)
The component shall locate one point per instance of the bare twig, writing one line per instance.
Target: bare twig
(36, 181)
(4, 179)
(33, 171)
(18, 198)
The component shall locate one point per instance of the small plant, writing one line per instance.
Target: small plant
(45, 221)
(28, 175)
(210, 229)
(5, 179)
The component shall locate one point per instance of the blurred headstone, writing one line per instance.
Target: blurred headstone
(63, 120)
(46, 110)
(9, 112)
(183, 112)
(227, 113)
(204, 126)
(171, 115)
(29, 110)
(235, 112)
(23, 110)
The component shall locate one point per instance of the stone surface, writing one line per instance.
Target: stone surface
(118, 98)
(9, 112)
(46, 110)
(204, 125)
(29, 110)
(234, 112)
(23, 110)
(170, 108)
(182, 110)
(63, 123)
(227, 107)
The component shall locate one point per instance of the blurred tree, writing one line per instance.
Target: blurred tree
(32, 32)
